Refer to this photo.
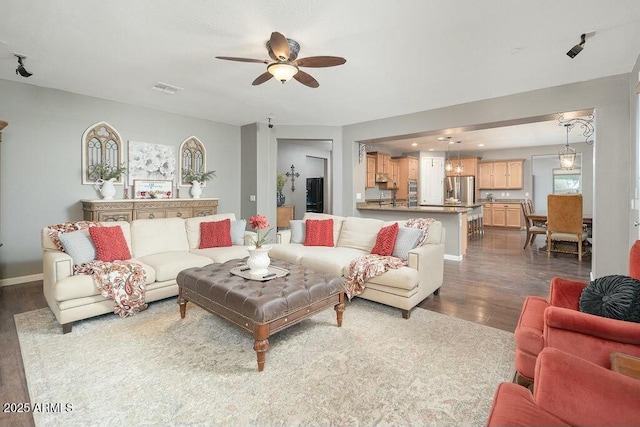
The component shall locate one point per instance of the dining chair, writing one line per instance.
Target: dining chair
(532, 229)
(564, 222)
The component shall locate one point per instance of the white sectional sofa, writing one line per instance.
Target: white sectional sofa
(403, 288)
(163, 246)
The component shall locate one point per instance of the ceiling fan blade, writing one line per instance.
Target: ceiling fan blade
(231, 58)
(262, 78)
(306, 79)
(320, 61)
(279, 46)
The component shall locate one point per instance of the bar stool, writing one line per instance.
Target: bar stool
(472, 226)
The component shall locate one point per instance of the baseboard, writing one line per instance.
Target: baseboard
(21, 279)
(453, 257)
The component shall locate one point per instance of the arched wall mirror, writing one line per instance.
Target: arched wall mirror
(192, 158)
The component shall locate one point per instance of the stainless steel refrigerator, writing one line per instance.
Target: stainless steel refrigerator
(462, 188)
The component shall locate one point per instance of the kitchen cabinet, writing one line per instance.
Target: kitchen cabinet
(502, 215)
(371, 171)
(383, 162)
(469, 167)
(501, 175)
(407, 170)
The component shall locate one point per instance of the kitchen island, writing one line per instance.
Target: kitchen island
(452, 217)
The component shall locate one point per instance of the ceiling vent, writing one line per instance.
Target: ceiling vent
(166, 88)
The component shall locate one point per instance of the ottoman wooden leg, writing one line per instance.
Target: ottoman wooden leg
(183, 308)
(261, 344)
(339, 308)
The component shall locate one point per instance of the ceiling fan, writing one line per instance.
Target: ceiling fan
(284, 63)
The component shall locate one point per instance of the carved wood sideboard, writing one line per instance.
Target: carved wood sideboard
(128, 210)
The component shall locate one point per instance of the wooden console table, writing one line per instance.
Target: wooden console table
(128, 210)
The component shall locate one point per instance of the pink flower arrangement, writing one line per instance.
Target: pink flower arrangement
(259, 222)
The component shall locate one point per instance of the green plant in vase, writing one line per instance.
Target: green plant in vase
(105, 171)
(281, 179)
(197, 178)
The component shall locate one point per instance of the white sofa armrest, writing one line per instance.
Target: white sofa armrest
(56, 265)
(429, 261)
(283, 236)
(249, 237)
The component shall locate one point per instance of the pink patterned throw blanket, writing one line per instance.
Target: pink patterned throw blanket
(122, 281)
(366, 267)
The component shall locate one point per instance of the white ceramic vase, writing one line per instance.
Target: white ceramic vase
(259, 260)
(106, 188)
(196, 189)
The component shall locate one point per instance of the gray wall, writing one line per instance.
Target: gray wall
(611, 166)
(634, 149)
(41, 161)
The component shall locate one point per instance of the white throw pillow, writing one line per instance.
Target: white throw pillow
(237, 232)
(298, 230)
(406, 240)
(79, 246)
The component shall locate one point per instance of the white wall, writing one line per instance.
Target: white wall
(612, 180)
(41, 161)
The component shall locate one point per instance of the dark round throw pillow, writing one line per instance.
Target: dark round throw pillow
(615, 297)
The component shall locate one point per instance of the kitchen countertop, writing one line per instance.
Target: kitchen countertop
(453, 209)
(458, 205)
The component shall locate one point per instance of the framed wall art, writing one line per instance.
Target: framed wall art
(152, 189)
(151, 162)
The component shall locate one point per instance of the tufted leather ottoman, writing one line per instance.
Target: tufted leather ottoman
(261, 308)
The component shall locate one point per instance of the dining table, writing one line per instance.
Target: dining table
(541, 218)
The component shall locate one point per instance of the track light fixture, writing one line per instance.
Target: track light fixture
(20, 69)
(577, 48)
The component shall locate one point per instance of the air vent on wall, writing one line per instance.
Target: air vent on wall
(166, 88)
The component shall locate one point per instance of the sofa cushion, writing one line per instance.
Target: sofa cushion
(215, 234)
(406, 240)
(386, 240)
(79, 246)
(298, 228)
(288, 252)
(192, 226)
(238, 228)
(319, 232)
(359, 233)
(403, 278)
(223, 254)
(82, 285)
(110, 243)
(337, 222)
(329, 260)
(167, 265)
(154, 236)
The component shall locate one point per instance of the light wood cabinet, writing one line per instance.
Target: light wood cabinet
(285, 214)
(128, 210)
(469, 166)
(502, 215)
(501, 175)
(407, 171)
(383, 162)
(371, 171)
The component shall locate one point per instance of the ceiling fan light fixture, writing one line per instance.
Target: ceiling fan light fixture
(282, 71)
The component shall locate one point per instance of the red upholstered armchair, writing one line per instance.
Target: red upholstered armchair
(558, 323)
(568, 391)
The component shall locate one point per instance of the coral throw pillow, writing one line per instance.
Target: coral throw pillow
(215, 234)
(319, 232)
(386, 240)
(110, 243)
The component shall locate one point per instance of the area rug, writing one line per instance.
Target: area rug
(156, 369)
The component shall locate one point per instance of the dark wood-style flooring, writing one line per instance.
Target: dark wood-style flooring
(487, 287)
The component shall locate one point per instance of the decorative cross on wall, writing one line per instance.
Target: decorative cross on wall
(293, 174)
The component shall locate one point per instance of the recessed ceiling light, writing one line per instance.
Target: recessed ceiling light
(480, 145)
(414, 144)
(431, 149)
(442, 138)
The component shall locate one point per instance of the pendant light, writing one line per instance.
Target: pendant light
(459, 169)
(448, 166)
(568, 155)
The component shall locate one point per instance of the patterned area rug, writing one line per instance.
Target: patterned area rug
(156, 369)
